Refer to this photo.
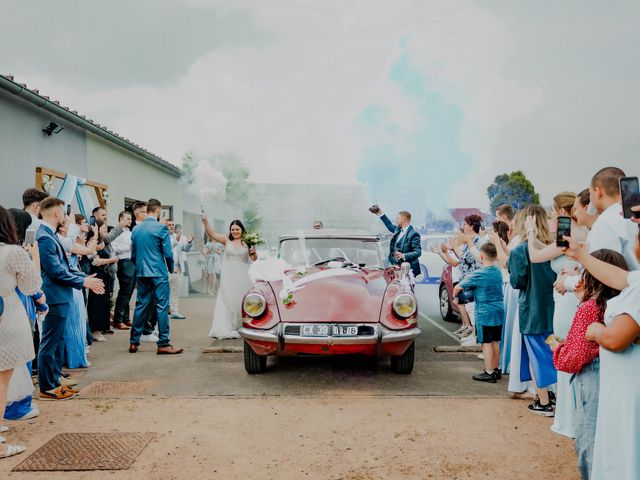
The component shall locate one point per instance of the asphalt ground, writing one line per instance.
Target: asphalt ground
(195, 373)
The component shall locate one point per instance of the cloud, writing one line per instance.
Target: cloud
(445, 94)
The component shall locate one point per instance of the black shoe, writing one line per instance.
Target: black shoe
(498, 373)
(552, 398)
(107, 332)
(485, 377)
(544, 410)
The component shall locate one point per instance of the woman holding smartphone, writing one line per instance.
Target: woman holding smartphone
(565, 305)
(98, 306)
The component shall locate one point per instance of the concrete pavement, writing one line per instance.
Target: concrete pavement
(195, 373)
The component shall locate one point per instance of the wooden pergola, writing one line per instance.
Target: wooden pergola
(99, 188)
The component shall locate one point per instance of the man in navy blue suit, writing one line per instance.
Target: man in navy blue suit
(152, 255)
(405, 245)
(58, 280)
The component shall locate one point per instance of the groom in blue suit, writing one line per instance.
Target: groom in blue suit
(152, 255)
(405, 245)
(58, 282)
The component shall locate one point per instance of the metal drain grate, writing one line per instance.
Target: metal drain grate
(75, 374)
(87, 451)
(116, 389)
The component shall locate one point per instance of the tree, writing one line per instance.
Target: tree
(513, 189)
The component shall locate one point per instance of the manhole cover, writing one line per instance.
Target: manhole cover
(116, 389)
(87, 451)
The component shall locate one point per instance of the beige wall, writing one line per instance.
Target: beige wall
(128, 175)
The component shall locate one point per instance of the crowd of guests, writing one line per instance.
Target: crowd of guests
(563, 320)
(58, 277)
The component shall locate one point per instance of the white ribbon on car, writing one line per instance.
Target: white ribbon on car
(273, 270)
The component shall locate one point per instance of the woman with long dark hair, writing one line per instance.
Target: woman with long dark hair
(98, 306)
(234, 279)
(19, 398)
(16, 342)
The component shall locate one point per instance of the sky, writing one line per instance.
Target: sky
(439, 95)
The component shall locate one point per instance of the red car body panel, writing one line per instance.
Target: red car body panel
(447, 281)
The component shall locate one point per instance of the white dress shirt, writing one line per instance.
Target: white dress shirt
(122, 245)
(180, 247)
(614, 232)
(403, 232)
(611, 230)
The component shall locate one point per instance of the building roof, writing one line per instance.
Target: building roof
(33, 96)
(459, 214)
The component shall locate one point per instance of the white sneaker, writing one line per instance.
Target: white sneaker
(156, 332)
(469, 341)
(460, 330)
(481, 356)
(98, 337)
(465, 333)
(149, 338)
(33, 413)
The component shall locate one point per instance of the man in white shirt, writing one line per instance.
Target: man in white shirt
(611, 230)
(180, 244)
(126, 273)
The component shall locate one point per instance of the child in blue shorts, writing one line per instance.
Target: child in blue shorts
(486, 284)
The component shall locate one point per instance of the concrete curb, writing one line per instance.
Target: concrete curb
(458, 349)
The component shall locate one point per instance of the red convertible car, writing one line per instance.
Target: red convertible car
(343, 301)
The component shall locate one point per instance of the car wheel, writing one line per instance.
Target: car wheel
(254, 363)
(404, 363)
(446, 310)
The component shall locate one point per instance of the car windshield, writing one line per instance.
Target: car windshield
(362, 252)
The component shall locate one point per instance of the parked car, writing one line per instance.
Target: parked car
(343, 302)
(448, 309)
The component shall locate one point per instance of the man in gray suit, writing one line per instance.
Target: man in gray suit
(153, 257)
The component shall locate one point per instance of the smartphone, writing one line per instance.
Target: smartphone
(92, 221)
(630, 196)
(68, 210)
(563, 230)
(30, 237)
(374, 209)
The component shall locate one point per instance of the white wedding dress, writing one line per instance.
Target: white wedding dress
(234, 284)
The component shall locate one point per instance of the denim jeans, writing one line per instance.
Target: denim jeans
(586, 384)
(153, 293)
(49, 354)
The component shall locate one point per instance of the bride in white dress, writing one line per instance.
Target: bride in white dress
(234, 279)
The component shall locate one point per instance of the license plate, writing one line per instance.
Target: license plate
(326, 330)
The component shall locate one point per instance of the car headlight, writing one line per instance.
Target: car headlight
(254, 305)
(405, 305)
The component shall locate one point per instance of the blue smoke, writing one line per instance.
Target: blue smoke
(433, 160)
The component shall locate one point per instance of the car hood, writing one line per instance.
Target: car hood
(332, 295)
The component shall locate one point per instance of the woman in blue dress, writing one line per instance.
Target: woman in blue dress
(75, 332)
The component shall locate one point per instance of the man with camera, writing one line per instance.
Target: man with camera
(405, 243)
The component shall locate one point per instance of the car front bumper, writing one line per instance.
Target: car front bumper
(379, 341)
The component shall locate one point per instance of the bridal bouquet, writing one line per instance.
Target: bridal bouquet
(253, 239)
